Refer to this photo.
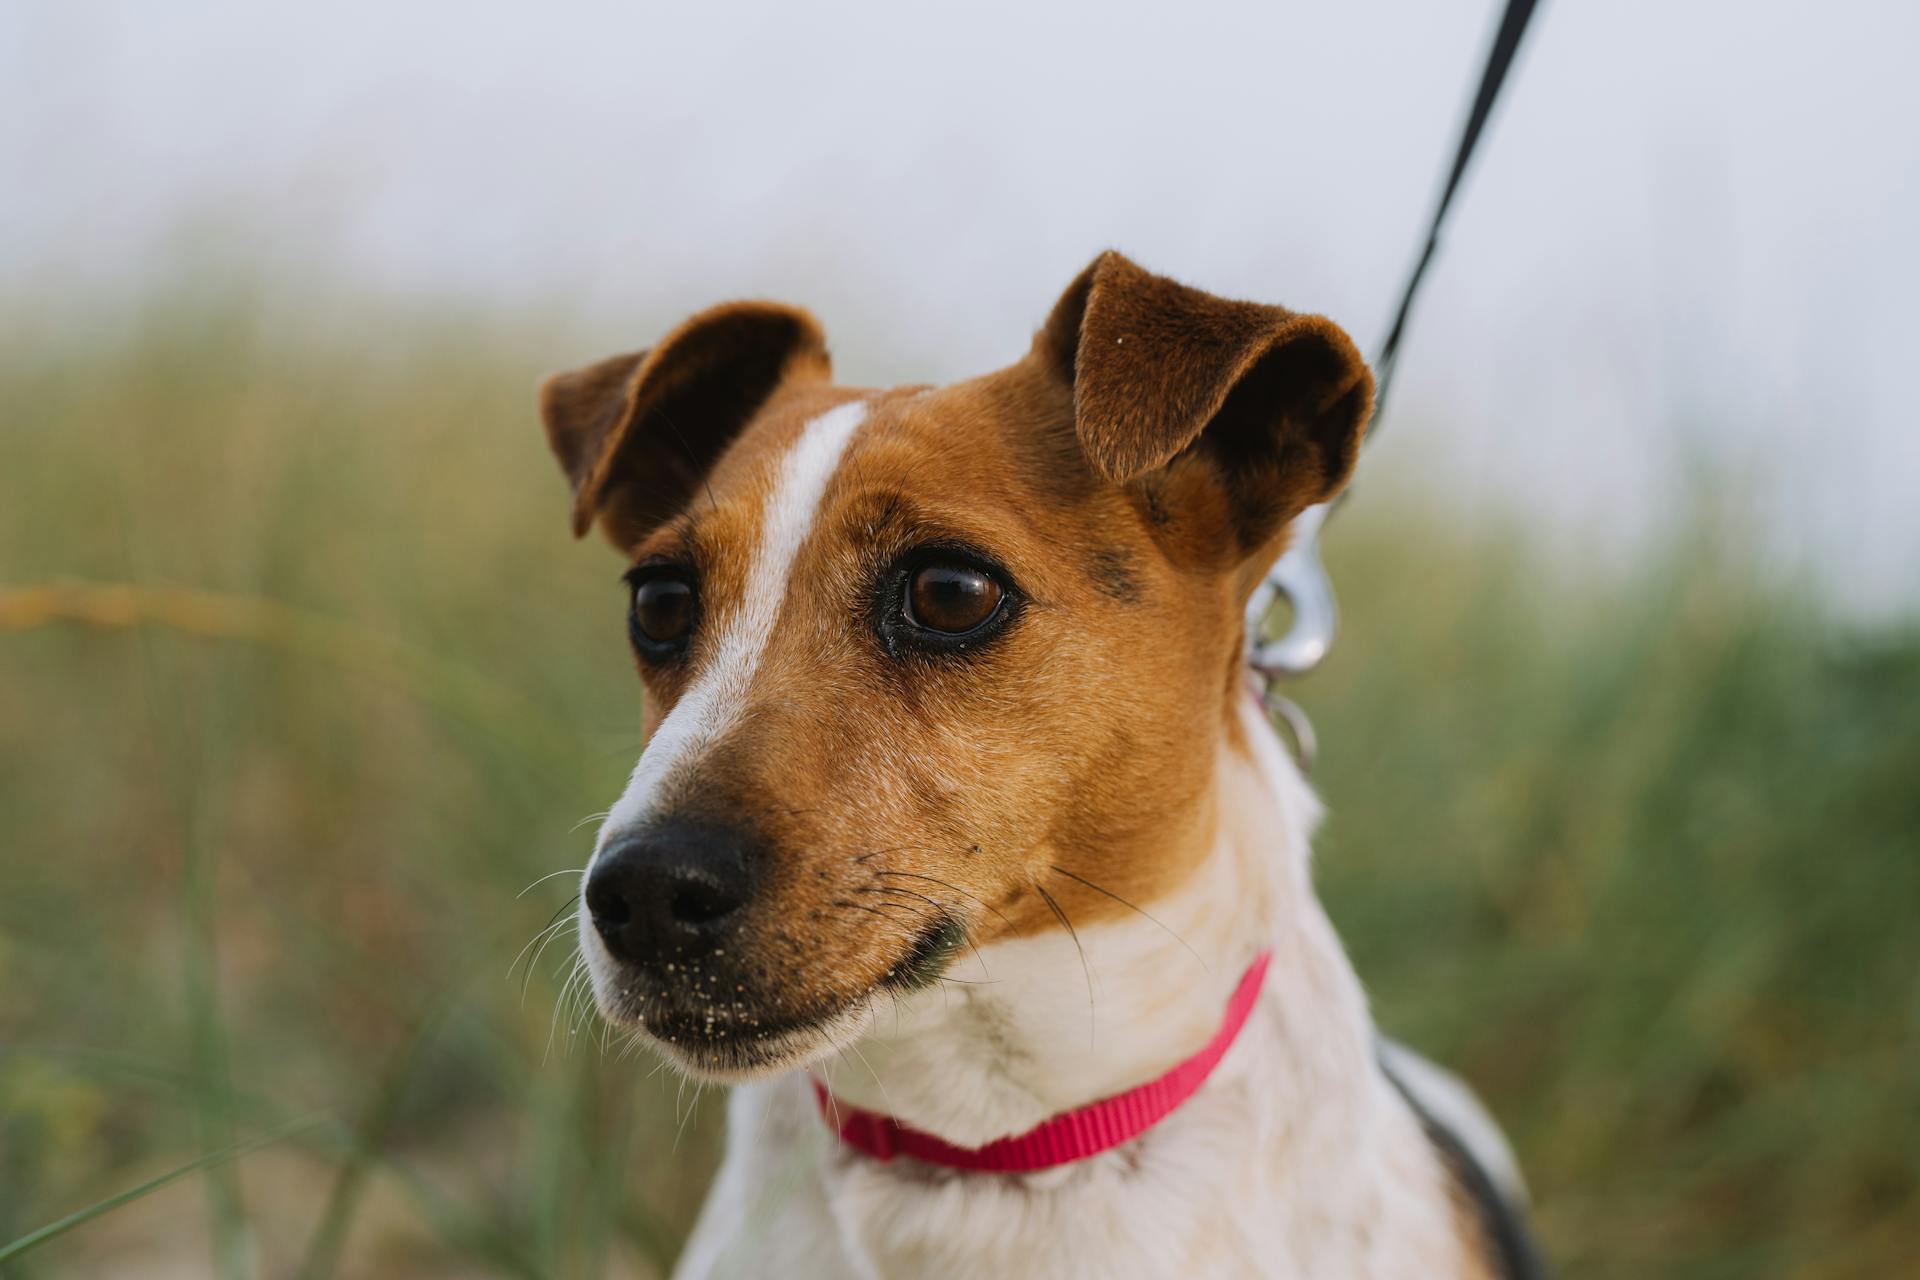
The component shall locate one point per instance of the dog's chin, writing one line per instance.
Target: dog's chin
(740, 1049)
(740, 1058)
(734, 1042)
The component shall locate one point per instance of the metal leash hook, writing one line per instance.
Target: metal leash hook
(1298, 576)
(1301, 580)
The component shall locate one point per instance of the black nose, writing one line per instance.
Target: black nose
(667, 891)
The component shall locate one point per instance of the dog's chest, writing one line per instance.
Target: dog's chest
(1108, 1216)
(1201, 1196)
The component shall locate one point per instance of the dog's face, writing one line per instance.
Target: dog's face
(925, 667)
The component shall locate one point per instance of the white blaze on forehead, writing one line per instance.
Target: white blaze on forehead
(706, 709)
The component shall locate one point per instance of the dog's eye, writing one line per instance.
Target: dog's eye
(952, 598)
(664, 609)
(662, 613)
(944, 600)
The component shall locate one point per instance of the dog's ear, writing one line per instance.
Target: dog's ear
(636, 434)
(1275, 403)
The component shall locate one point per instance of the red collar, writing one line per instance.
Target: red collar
(1072, 1135)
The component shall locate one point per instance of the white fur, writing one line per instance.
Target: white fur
(705, 711)
(1296, 1159)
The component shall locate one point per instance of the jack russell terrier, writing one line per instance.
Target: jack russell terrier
(959, 844)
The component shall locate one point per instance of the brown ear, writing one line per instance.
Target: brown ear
(1276, 402)
(636, 434)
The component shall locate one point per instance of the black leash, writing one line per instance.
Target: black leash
(1513, 25)
(1299, 576)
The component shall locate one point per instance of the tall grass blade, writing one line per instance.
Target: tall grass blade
(323, 1252)
(212, 1160)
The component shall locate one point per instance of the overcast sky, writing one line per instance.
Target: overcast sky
(1691, 233)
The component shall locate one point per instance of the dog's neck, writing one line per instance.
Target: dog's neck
(1027, 1030)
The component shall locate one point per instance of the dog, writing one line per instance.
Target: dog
(959, 845)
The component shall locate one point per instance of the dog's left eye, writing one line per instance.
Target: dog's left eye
(944, 600)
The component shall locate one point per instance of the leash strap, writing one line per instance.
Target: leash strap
(1298, 576)
(1506, 40)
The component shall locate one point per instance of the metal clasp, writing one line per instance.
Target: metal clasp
(1301, 580)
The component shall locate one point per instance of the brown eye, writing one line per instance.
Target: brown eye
(662, 612)
(951, 598)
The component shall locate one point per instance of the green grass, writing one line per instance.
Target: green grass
(1641, 857)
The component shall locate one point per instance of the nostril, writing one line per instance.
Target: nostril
(607, 906)
(697, 902)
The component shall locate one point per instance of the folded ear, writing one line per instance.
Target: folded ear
(636, 434)
(1274, 402)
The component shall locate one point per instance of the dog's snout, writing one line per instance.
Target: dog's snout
(667, 892)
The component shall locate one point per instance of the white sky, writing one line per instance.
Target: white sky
(1690, 234)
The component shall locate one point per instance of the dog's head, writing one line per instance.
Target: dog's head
(922, 664)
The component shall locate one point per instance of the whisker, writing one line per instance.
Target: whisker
(552, 930)
(1085, 968)
(1129, 906)
(917, 911)
(966, 926)
(914, 875)
(583, 1007)
(545, 933)
(699, 1092)
(833, 1099)
(564, 871)
(891, 1109)
(553, 1024)
(570, 1006)
(872, 911)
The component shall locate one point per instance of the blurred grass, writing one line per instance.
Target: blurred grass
(1640, 856)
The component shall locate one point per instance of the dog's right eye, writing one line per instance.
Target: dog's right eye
(951, 599)
(661, 615)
